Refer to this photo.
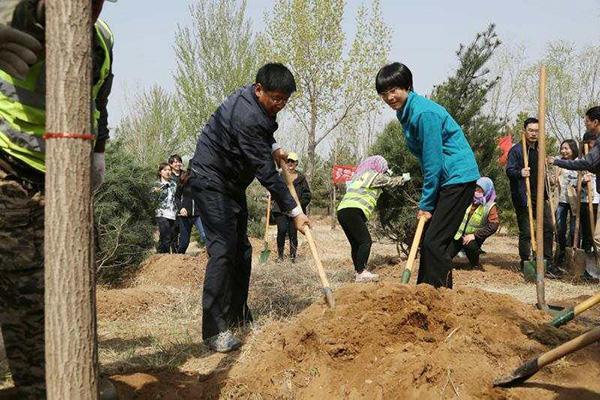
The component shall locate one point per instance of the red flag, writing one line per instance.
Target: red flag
(342, 173)
(504, 143)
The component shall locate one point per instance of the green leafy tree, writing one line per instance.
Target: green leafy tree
(573, 86)
(123, 215)
(334, 88)
(465, 95)
(149, 131)
(215, 56)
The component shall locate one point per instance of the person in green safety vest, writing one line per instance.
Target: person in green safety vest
(481, 220)
(22, 175)
(357, 206)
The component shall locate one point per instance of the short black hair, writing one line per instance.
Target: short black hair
(593, 113)
(393, 75)
(175, 157)
(530, 120)
(589, 136)
(573, 146)
(276, 77)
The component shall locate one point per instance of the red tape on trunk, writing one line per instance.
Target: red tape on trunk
(83, 136)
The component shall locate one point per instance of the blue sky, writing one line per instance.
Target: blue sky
(426, 34)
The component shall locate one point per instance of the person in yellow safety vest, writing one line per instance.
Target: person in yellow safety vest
(22, 173)
(481, 220)
(357, 206)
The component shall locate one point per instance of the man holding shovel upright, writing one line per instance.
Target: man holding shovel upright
(518, 173)
(590, 162)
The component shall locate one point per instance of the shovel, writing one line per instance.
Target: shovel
(592, 222)
(264, 255)
(575, 257)
(551, 201)
(532, 366)
(571, 312)
(413, 250)
(311, 242)
(529, 267)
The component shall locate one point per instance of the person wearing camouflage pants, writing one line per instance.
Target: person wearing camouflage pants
(22, 172)
(22, 283)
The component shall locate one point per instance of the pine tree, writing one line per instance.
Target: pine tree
(464, 95)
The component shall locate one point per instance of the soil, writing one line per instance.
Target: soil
(174, 270)
(382, 341)
(391, 341)
(124, 304)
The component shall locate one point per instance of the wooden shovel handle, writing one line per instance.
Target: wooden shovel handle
(569, 313)
(587, 304)
(575, 243)
(571, 346)
(590, 198)
(311, 242)
(413, 250)
(551, 198)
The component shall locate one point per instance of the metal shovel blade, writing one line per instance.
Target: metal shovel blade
(264, 255)
(577, 266)
(520, 375)
(529, 270)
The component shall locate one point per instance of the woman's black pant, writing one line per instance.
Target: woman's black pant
(354, 224)
(472, 250)
(286, 227)
(435, 264)
(165, 231)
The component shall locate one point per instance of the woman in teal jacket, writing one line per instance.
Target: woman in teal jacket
(447, 162)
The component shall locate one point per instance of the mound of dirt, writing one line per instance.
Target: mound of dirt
(128, 303)
(177, 270)
(391, 341)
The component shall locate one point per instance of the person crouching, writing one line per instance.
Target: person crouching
(481, 221)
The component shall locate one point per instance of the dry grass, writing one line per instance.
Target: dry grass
(168, 336)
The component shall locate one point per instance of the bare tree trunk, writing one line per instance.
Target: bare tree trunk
(71, 357)
(312, 141)
(334, 194)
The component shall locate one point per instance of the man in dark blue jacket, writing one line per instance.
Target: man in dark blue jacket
(516, 171)
(235, 146)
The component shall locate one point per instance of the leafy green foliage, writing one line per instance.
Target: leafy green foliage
(216, 55)
(123, 215)
(335, 87)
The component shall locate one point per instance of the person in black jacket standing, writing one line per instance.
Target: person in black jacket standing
(235, 146)
(517, 173)
(188, 213)
(285, 225)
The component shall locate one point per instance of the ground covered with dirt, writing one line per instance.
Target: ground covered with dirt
(391, 341)
(382, 341)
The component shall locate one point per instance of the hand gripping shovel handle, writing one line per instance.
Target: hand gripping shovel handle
(413, 250)
(571, 312)
(311, 242)
(532, 366)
